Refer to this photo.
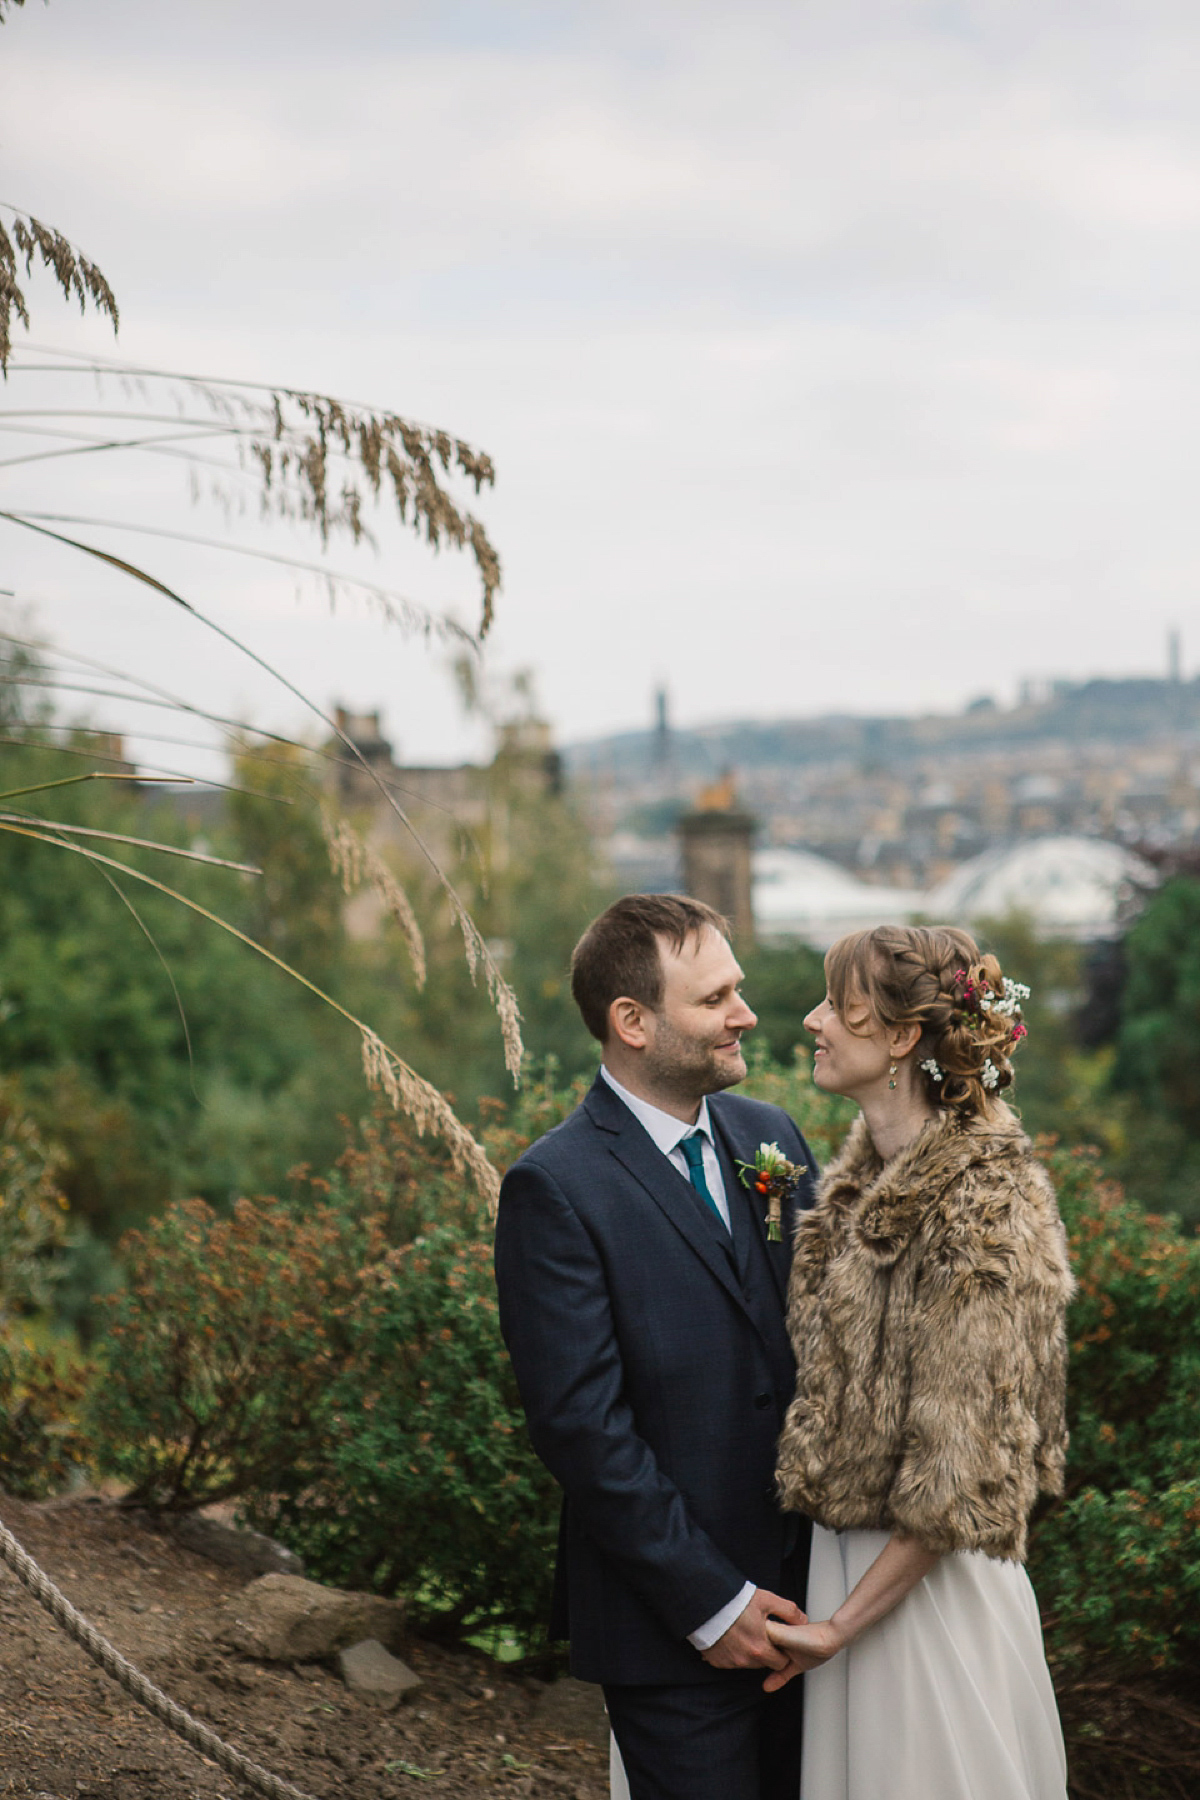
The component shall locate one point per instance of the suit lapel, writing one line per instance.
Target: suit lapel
(743, 1203)
(671, 1192)
(740, 1217)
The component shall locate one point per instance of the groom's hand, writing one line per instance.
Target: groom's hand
(746, 1644)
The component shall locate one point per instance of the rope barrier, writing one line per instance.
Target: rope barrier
(242, 1768)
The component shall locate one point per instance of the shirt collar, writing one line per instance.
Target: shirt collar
(665, 1129)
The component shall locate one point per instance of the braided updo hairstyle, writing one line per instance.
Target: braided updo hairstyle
(935, 976)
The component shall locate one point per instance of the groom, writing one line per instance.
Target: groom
(643, 1306)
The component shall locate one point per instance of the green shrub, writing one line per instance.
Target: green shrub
(425, 1481)
(41, 1446)
(1135, 1334)
(33, 1209)
(1116, 1562)
(335, 1362)
(823, 1118)
(1122, 1571)
(219, 1349)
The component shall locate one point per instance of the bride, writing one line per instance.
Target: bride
(928, 1293)
(927, 1302)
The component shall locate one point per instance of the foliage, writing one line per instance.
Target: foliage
(426, 1482)
(336, 1362)
(1159, 1035)
(41, 1446)
(1155, 1051)
(1134, 1396)
(273, 817)
(1135, 1335)
(1051, 1092)
(76, 276)
(145, 1110)
(1116, 1563)
(32, 1208)
(1123, 1572)
(783, 984)
(545, 1099)
(823, 1118)
(550, 886)
(39, 1390)
(92, 1022)
(531, 880)
(218, 1352)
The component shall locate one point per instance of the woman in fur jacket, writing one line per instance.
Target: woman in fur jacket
(927, 1302)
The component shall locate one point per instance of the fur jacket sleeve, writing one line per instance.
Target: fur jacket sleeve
(927, 1312)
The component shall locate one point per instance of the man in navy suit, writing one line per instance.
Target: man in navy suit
(642, 1302)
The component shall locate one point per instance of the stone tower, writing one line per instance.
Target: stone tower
(716, 842)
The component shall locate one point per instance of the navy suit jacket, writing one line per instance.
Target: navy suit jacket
(653, 1362)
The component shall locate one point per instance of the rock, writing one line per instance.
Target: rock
(375, 1675)
(248, 1552)
(283, 1618)
(573, 1709)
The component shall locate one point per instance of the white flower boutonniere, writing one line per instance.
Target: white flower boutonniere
(772, 1176)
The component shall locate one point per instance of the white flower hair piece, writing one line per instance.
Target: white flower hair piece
(931, 1069)
(990, 1074)
(1009, 1002)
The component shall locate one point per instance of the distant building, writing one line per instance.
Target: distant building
(716, 843)
(803, 898)
(1070, 887)
(902, 802)
(458, 811)
(662, 733)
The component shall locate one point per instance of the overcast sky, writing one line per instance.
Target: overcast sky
(831, 355)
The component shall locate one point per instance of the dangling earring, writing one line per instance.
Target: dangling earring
(892, 1076)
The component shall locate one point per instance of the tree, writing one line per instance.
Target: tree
(1158, 1040)
(317, 460)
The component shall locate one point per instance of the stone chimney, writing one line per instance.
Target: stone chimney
(716, 841)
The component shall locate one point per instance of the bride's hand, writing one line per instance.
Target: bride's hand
(806, 1647)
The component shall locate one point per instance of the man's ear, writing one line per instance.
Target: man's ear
(627, 1022)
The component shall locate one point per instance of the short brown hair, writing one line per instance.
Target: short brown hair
(620, 952)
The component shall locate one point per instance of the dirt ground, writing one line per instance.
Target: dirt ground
(69, 1733)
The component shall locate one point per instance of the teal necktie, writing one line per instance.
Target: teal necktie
(693, 1156)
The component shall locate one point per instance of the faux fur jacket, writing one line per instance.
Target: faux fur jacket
(926, 1308)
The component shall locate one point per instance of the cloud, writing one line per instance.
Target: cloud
(829, 355)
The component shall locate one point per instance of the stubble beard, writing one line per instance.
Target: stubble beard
(689, 1069)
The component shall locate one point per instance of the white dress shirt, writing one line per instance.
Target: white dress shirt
(667, 1133)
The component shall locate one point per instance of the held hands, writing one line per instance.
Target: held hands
(806, 1645)
(747, 1645)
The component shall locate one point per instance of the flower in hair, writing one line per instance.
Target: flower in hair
(931, 1069)
(1009, 1002)
(978, 999)
(972, 998)
(990, 1074)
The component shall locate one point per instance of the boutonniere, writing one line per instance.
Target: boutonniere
(772, 1176)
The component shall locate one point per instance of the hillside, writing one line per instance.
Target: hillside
(1133, 710)
(67, 1730)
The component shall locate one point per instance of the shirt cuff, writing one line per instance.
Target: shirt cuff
(716, 1627)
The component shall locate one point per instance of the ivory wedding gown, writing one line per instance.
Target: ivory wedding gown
(947, 1698)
